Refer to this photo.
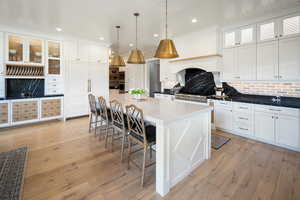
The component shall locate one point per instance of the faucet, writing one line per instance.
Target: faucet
(276, 99)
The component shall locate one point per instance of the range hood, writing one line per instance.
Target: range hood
(209, 63)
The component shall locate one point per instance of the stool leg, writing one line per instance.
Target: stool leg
(106, 137)
(144, 166)
(151, 152)
(112, 140)
(96, 123)
(123, 144)
(129, 153)
(90, 123)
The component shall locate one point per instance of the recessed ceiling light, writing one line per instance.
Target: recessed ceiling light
(194, 20)
(155, 35)
(58, 29)
(131, 45)
(101, 38)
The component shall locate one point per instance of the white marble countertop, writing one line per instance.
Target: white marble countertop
(161, 110)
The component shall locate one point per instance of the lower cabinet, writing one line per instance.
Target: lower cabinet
(288, 131)
(223, 117)
(25, 111)
(22, 111)
(265, 126)
(275, 125)
(51, 108)
(4, 113)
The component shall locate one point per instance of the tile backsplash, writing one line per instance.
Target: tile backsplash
(287, 89)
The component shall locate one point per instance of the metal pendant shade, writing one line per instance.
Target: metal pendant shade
(136, 55)
(166, 47)
(117, 60)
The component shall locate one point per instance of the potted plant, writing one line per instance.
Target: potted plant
(137, 93)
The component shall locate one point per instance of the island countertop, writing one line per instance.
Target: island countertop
(160, 109)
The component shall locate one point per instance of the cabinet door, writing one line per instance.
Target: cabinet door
(83, 51)
(247, 35)
(2, 86)
(267, 31)
(230, 39)
(289, 59)
(4, 113)
(98, 54)
(288, 131)
(51, 108)
(98, 79)
(247, 62)
(265, 126)
(267, 61)
(15, 49)
(289, 26)
(35, 52)
(223, 118)
(76, 101)
(230, 71)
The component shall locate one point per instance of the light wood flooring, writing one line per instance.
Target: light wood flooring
(67, 163)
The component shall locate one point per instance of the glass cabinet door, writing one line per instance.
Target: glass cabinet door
(15, 48)
(35, 51)
(53, 49)
(54, 64)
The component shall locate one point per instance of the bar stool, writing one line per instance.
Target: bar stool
(94, 113)
(105, 118)
(143, 135)
(118, 124)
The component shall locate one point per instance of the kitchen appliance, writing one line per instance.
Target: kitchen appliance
(154, 71)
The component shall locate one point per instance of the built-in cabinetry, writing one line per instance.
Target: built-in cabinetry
(275, 125)
(2, 80)
(265, 51)
(164, 96)
(86, 72)
(24, 50)
(4, 113)
(22, 111)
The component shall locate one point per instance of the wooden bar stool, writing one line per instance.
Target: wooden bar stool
(105, 118)
(143, 135)
(118, 124)
(94, 116)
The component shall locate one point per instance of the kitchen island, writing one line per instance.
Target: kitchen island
(183, 134)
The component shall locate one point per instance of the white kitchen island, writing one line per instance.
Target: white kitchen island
(183, 136)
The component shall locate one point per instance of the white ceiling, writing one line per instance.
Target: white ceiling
(92, 19)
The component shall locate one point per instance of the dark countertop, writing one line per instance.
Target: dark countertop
(290, 102)
(45, 96)
(163, 93)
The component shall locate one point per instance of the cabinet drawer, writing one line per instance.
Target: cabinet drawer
(278, 110)
(54, 91)
(54, 85)
(224, 103)
(54, 79)
(242, 107)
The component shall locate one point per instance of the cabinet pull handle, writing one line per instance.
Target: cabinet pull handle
(275, 110)
(243, 107)
(245, 129)
(244, 118)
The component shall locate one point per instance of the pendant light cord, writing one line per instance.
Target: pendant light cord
(166, 19)
(136, 39)
(117, 40)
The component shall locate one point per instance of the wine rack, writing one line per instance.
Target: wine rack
(21, 70)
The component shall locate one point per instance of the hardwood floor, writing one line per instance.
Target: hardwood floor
(67, 163)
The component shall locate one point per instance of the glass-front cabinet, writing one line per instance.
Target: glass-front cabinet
(24, 50)
(54, 57)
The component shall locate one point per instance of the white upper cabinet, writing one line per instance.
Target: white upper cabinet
(53, 61)
(98, 54)
(230, 39)
(246, 59)
(267, 31)
(289, 26)
(24, 50)
(230, 68)
(267, 61)
(247, 35)
(289, 59)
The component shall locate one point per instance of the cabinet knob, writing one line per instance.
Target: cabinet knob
(280, 35)
(276, 36)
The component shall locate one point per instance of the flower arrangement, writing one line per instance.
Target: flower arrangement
(137, 93)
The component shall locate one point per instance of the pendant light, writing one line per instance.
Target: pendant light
(136, 55)
(117, 60)
(166, 48)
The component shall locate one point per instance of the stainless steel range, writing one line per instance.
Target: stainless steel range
(191, 97)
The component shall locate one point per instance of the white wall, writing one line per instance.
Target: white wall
(202, 42)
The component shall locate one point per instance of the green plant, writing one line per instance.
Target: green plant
(137, 91)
